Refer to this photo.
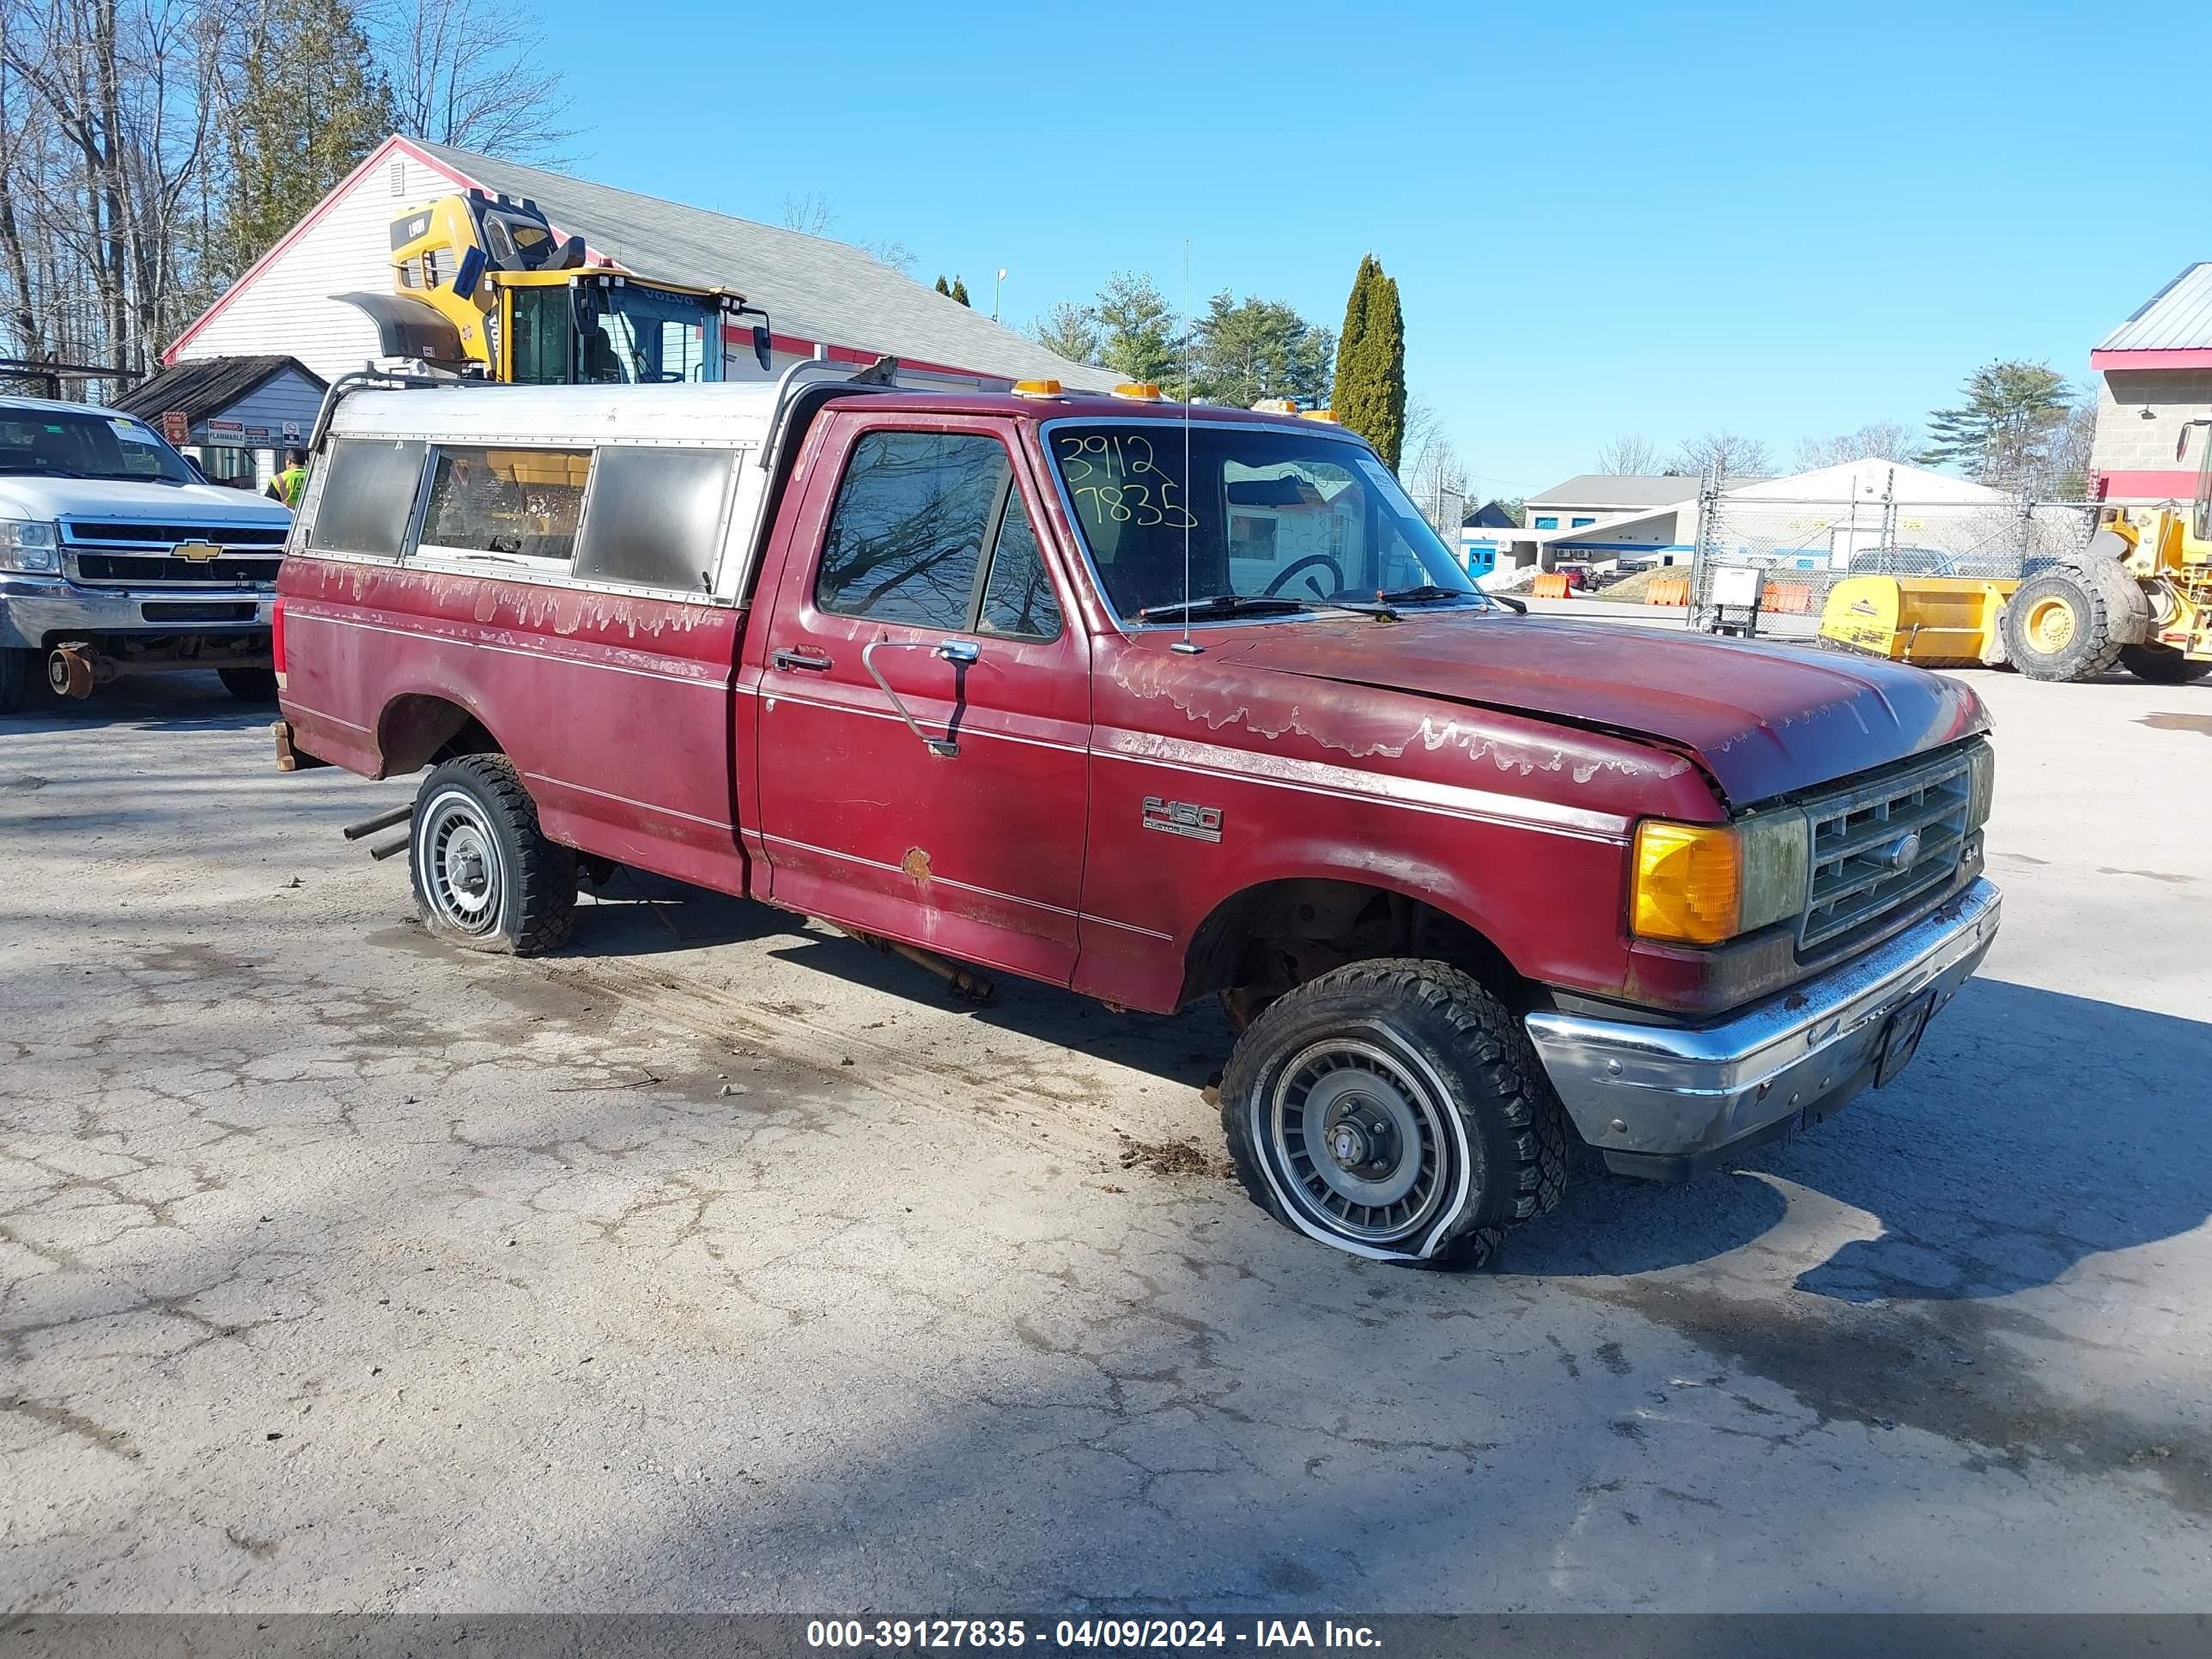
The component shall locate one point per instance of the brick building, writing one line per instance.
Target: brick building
(2155, 373)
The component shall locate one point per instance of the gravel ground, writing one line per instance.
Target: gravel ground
(721, 1263)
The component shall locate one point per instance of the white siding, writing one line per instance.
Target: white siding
(285, 307)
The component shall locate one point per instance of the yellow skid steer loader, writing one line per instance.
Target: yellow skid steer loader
(2138, 596)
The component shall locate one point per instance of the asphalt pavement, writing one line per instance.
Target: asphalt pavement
(720, 1262)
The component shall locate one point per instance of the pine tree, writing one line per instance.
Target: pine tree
(1137, 329)
(960, 290)
(305, 104)
(943, 288)
(1369, 395)
(2006, 432)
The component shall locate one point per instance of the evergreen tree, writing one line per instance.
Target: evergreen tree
(943, 288)
(2007, 431)
(960, 290)
(1243, 351)
(1137, 329)
(305, 103)
(1069, 330)
(1370, 394)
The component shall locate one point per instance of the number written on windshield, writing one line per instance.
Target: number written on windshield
(1114, 478)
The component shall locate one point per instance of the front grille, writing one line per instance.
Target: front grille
(165, 570)
(1863, 868)
(112, 553)
(168, 535)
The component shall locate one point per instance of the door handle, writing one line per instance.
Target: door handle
(961, 652)
(814, 661)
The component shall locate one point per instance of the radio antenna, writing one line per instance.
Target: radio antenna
(1190, 518)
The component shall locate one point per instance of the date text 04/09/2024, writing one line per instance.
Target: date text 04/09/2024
(1085, 1635)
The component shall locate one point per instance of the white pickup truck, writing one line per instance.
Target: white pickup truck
(118, 557)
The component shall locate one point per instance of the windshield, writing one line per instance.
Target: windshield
(641, 335)
(1300, 518)
(94, 444)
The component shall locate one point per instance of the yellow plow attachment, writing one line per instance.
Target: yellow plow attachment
(1935, 621)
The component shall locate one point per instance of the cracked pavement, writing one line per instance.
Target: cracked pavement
(721, 1263)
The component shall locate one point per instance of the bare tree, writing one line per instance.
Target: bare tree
(470, 73)
(1435, 477)
(810, 214)
(104, 145)
(1881, 441)
(1727, 454)
(1629, 454)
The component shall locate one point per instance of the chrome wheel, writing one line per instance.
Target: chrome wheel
(463, 879)
(1357, 1137)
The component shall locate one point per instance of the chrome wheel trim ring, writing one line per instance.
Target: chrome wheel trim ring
(1387, 1199)
(463, 875)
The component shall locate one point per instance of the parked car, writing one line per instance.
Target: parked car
(117, 556)
(1158, 705)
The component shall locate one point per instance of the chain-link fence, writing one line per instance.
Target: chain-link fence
(1799, 550)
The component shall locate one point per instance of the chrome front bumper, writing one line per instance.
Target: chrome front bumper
(1662, 1101)
(36, 609)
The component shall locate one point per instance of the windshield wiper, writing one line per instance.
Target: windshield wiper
(1426, 593)
(1225, 604)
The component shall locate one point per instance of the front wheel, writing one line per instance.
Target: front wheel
(1395, 1109)
(2057, 626)
(2162, 665)
(15, 679)
(485, 876)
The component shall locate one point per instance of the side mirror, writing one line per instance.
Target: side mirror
(761, 342)
(469, 272)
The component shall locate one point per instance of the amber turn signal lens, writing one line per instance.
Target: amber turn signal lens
(1689, 886)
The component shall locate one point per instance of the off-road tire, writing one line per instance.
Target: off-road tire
(532, 908)
(1501, 1122)
(2163, 664)
(249, 685)
(2087, 650)
(16, 678)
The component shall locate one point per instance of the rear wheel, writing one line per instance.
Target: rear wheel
(485, 876)
(1395, 1111)
(249, 685)
(2162, 665)
(2058, 627)
(15, 676)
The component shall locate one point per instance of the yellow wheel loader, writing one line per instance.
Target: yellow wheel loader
(2139, 596)
(482, 287)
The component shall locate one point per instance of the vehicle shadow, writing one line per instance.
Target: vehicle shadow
(157, 702)
(641, 915)
(2033, 1130)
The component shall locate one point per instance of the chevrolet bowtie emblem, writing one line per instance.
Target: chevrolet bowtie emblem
(196, 552)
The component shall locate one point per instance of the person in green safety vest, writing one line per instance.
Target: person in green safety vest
(288, 483)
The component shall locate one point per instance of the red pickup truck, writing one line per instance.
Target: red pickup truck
(1157, 704)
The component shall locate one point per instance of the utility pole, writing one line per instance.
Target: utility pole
(1000, 278)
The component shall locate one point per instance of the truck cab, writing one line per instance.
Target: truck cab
(118, 557)
(1157, 704)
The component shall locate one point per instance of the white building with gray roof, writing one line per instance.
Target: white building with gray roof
(824, 298)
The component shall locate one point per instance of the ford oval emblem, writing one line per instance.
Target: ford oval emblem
(1902, 853)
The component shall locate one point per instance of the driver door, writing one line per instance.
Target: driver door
(925, 702)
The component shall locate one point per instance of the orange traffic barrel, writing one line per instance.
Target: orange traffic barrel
(1551, 585)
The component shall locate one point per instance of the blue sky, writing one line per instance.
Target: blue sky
(1783, 220)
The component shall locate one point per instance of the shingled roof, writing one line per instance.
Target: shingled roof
(207, 385)
(813, 288)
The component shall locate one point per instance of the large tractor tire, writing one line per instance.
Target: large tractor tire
(2062, 625)
(2162, 665)
(1395, 1111)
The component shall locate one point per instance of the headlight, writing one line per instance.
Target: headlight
(27, 544)
(1982, 765)
(1699, 883)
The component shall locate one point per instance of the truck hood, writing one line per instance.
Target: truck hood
(121, 500)
(1763, 720)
